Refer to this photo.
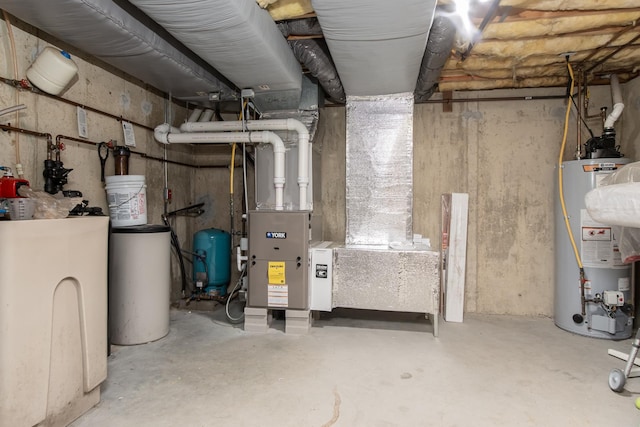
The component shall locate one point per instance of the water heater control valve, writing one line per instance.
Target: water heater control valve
(613, 298)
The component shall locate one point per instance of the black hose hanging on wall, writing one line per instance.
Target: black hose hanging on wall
(314, 54)
(439, 44)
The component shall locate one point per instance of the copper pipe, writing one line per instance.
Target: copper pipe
(52, 147)
(23, 85)
(145, 155)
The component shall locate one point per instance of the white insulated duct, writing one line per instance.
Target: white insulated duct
(107, 31)
(377, 46)
(168, 134)
(272, 125)
(240, 40)
(618, 105)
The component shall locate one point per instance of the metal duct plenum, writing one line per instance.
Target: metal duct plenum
(105, 30)
(439, 44)
(240, 40)
(379, 169)
(377, 46)
(313, 53)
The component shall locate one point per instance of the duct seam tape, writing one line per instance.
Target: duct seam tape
(127, 199)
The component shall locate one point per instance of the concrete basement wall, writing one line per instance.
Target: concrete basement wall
(104, 88)
(504, 154)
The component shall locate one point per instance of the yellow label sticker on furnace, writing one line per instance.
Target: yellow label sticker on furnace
(276, 273)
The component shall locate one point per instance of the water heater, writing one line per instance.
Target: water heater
(607, 290)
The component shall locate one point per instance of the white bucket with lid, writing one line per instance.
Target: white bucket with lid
(127, 199)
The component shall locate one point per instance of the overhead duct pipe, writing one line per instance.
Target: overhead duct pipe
(314, 54)
(167, 134)
(439, 45)
(300, 27)
(272, 125)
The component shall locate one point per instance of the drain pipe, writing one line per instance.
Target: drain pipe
(269, 125)
(167, 134)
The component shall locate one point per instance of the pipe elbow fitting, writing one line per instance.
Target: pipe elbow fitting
(186, 127)
(299, 127)
(161, 133)
(614, 116)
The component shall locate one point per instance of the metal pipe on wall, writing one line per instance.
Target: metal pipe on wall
(88, 142)
(23, 85)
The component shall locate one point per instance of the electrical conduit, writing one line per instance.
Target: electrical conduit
(271, 125)
(167, 134)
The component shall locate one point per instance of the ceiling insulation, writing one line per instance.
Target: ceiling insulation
(519, 48)
(554, 5)
(377, 46)
(524, 42)
(544, 27)
(288, 9)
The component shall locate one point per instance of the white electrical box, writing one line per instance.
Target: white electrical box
(321, 276)
(613, 298)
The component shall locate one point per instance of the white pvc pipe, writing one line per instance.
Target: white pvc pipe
(166, 134)
(161, 132)
(12, 109)
(195, 115)
(618, 105)
(304, 155)
(206, 116)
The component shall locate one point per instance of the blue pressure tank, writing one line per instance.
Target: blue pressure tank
(213, 260)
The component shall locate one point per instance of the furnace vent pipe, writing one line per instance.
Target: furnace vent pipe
(206, 116)
(167, 134)
(618, 105)
(195, 115)
(304, 151)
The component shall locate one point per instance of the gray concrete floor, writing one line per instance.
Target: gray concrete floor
(365, 369)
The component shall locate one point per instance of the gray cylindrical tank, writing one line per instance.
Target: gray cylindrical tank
(601, 259)
(139, 283)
